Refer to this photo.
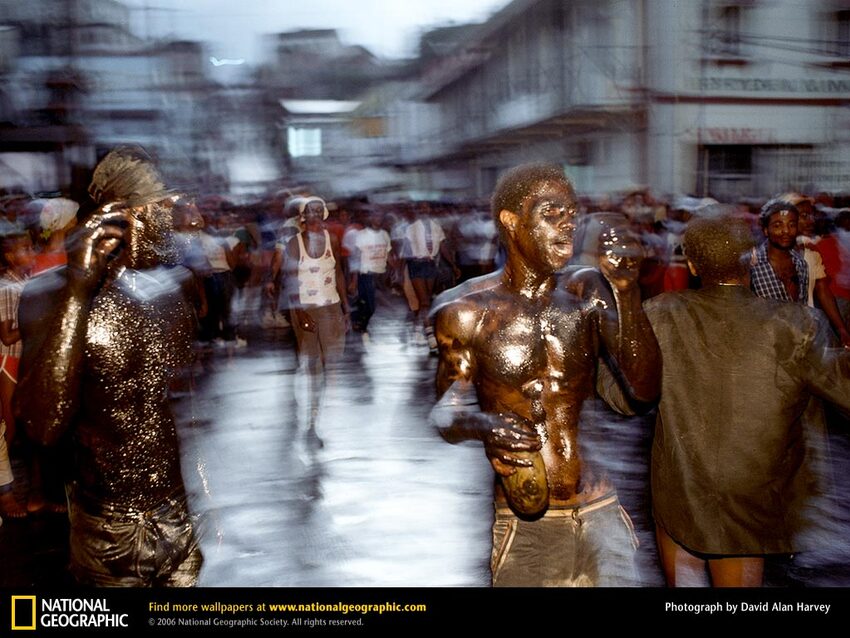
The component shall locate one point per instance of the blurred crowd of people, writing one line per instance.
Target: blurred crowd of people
(295, 261)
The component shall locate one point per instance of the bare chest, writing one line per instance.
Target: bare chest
(516, 346)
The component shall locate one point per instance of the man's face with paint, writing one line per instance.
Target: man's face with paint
(544, 229)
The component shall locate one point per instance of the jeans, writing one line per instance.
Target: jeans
(218, 288)
(366, 292)
(592, 545)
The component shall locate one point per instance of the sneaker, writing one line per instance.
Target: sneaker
(268, 319)
(240, 342)
(280, 320)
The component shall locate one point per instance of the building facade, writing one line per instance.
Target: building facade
(74, 82)
(710, 97)
(748, 97)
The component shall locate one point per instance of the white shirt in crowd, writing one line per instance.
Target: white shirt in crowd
(417, 236)
(374, 247)
(215, 252)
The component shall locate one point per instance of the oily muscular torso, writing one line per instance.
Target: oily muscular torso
(139, 334)
(534, 358)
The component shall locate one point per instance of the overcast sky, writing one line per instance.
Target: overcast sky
(389, 28)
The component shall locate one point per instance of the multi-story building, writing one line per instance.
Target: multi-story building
(75, 82)
(713, 97)
(748, 97)
(542, 79)
(331, 115)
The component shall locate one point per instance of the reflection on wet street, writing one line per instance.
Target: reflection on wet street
(382, 501)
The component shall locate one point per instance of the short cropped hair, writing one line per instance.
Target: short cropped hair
(775, 206)
(518, 183)
(719, 247)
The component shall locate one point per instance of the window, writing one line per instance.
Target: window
(580, 153)
(729, 32)
(842, 33)
(725, 172)
(304, 142)
(724, 26)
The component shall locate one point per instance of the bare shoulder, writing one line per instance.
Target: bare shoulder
(582, 281)
(291, 246)
(456, 312)
(586, 287)
(333, 238)
(41, 297)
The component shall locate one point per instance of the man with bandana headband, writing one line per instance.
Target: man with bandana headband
(520, 351)
(103, 338)
(779, 271)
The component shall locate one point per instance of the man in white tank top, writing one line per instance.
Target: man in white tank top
(315, 291)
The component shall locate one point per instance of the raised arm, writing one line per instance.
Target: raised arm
(630, 348)
(48, 394)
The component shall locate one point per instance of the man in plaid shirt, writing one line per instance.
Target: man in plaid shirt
(780, 272)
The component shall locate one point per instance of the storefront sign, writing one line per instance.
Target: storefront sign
(771, 85)
(731, 135)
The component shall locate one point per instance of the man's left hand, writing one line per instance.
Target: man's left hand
(620, 262)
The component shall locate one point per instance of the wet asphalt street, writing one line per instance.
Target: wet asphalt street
(378, 499)
(382, 501)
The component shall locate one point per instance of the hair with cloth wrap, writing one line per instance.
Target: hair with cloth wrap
(127, 175)
(306, 201)
(291, 207)
(776, 206)
(56, 214)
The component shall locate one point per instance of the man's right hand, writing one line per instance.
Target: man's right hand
(304, 320)
(97, 238)
(504, 436)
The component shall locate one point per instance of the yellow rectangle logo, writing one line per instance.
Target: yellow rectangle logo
(23, 617)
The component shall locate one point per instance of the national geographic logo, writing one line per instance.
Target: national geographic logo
(23, 613)
(28, 613)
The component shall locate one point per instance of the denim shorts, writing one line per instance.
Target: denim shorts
(592, 545)
(422, 268)
(325, 345)
(112, 546)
